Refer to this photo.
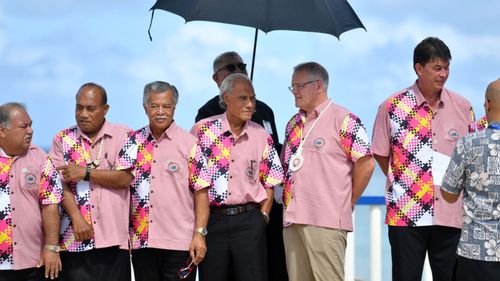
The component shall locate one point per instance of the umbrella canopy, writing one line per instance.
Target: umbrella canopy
(325, 16)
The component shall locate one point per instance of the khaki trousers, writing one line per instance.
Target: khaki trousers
(314, 253)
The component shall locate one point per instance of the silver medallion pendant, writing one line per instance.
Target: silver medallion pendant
(296, 162)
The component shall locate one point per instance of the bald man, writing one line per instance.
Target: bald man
(475, 170)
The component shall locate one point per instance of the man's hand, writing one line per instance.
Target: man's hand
(81, 228)
(72, 172)
(52, 263)
(198, 248)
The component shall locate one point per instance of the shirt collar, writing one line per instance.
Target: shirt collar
(169, 133)
(443, 98)
(226, 127)
(5, 155)
(317, 110)
(105, 130)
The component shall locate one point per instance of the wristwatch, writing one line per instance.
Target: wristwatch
(201, 230)
(53, 248)
(87, 174)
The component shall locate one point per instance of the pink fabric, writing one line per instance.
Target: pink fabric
(167, 172)
(241, 170)
(408, 131)
(107, 209)
(28, 190)
(320, 192)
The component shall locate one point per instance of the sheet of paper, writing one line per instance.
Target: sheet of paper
(440, 163)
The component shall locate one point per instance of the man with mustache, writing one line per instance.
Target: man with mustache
(169, 198)
(30, 191)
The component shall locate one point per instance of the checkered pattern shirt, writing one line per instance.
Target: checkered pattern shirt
(137, 154)
(217, 145)
(49, 192)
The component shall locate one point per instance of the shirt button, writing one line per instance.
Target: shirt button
(229, 193)
(11, 176)
(13, 209)
(435, 141)
(232, 160)
(156, 146)
(153, 177)
(92, 206)
(151, 206)
(14, 225)
(12, 192)
(95, 222)
(91, 189)
(437, 199)
(152, 191)
(15, 243)
(154, 161)
(230, 177)
(151, 221)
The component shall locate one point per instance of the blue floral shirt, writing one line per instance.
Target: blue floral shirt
(474, 169)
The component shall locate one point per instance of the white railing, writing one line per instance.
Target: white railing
(376, 204)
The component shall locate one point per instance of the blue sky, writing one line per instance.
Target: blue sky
(49, 48)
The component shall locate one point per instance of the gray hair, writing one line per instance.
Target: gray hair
(227, 86)
(315, 70)
(218, 60)
(159, 87)
(6, 110)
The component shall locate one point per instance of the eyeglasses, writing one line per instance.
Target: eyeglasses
(232, 67)
(184, 272)
(299, 86)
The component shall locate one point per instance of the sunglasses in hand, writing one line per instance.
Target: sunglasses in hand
(184, 272)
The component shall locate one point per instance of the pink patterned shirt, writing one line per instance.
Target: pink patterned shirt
(166, 172)
(411, 133)
(482, 124)
(320, 192)
(241, 169)
(26, 182)
(106, 209)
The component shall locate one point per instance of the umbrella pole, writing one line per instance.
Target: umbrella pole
(254, 50)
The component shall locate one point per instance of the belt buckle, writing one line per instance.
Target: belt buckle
(232, 211)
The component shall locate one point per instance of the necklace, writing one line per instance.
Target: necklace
(297, 159)
(93, 164)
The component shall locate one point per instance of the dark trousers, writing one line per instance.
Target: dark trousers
(410, 244)
(107, 264)
(473, 270)
(237, 242)
(28, 274)
(160, 265)
(276, 261)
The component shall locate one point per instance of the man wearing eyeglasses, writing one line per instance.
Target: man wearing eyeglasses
(94, 219)
(169, 198)
(224, 65)
(328, 162)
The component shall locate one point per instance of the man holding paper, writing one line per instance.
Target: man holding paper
(415, 132)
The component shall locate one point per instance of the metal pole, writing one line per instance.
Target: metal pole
(254, 50)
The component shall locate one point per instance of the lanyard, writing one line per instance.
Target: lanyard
(494, 126)
(299, 149)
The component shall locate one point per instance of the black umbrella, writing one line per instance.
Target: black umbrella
(325, 16)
